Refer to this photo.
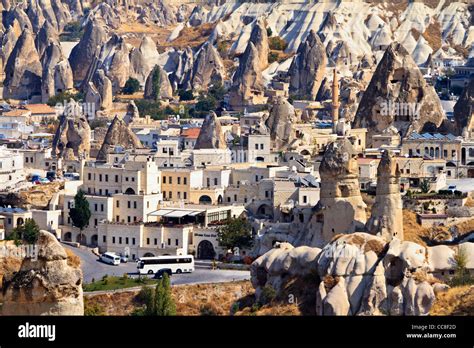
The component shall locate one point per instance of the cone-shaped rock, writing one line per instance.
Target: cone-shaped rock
(211, 135)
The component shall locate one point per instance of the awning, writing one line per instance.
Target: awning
(161, 212)
(178, 213)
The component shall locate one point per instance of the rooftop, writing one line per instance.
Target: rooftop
(40, 109)
(191, 133)
(432, 136)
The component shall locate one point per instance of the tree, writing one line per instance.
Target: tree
(235, 233)
(131, 86)
(461, 274)
(269, 31)
(425, 186)
(81, 212)
(185, 95)
(28, 232)
(156, 83)
(157, 302)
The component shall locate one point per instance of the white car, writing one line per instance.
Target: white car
(110, 258)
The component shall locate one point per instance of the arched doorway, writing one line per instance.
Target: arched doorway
(81, 239)
(220, 199)
(205, 250)
(265, 210)
(67, 237)
(20, 221)
(260, 159)
(129, 191)
(205, 199)
(148, 255)
(94, 240)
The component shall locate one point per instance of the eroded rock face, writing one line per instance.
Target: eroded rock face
(386, 218)
(119, 133)
(208, 69)
(464, 110)
(308, 67)
(57, 73)
(72, 138)
(132, 113)
(143, 59)
(88, 47)
(180, 75)
(99, 91)
(398, 95)
(211, 135)
(280, 123)
(23, 69)
(165, 91)
(46, 35)
(358, 274)
(46, 286)
(259, 38)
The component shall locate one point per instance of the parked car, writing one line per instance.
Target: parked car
(124, 258)
(110, 258)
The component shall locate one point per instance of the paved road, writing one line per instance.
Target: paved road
(93, 268)
(464, 185)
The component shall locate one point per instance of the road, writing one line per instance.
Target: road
(464, 185)
(92, 268)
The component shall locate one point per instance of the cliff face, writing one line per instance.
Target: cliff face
(45, 286)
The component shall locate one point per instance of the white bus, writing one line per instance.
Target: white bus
(110, 258)
(169, 264)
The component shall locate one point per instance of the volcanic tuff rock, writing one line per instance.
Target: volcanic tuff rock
(132, 113)
(8, 42)
(87, 48)
(72, 137)
(398, 95)
(165, 91)
(118, 134)
(208, 69)
(23, 70)
(259, 38)
(248, 82)
(18, 15)
(57, 73)
(111, 16)
(308, 67)
(99, 91)
(360, 274)
(464, 110)
(47, 35)
(143, 59)
(180, 75)
(386, 218)
(45, 286)
(280, 123)
(211, 135)
(63, 16)
(35, 14)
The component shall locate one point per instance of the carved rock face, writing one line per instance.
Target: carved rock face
(211, 135)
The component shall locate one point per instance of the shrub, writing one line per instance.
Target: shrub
(62, 97)
(272, 57)
(461, 276)
(208, 309)
(268, 295)
(277, 43)
(185, 95)
(269, 32)
(93, 309)
(131, 86)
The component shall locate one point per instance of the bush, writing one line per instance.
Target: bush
(62, 97)
(158, 301)
(185, 95)
(461, 276)
(277, 43)
(268, 295)
(269, 32)
(208, 309)
(272, 57)
(131, 86)
(93, 309)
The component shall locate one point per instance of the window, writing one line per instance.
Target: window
(120, 240)
(235, 198)
(266, 194)
(133, 241)
(148, 241)
(215, 181)
(208, 182)
(185, 195)
(169, 241)
(126, 240)
(118, 204)
(95, 222)
(129, 204)
(261, 146)
(102, 207)
(134, 205)
(96, 207)
(104, 239)
(126, 178)
(117, 218)
(179, 180)
(129, 219)
(100, 177)
(89, 176)
(176, 242)
(116, 178)
(305, 199)
(113, 240)
(170, 195)
(171, 180)
(256, 146)
(164, 180)
(185, 181)
(106, 178)
(228, 199)
(156, 241)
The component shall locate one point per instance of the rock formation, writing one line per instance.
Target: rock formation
(72, 138)
(57, 73)
(116, 62)
(8, 42)
(211, 135)
(280, 123)
(46, 35)
(358, 274)
(259, 38)
(464, 110)
(143, 59)
(248, 85)
(99, 91)
(398, 95)
(340, 209)
(118, 134)
(23, 69)
(208, 69)
(158, 85)
(386, 218)
(308, 68)
(88, 47)
(46, 285)
(180, 75)
(132, 113)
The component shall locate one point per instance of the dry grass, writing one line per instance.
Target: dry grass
(375, 246)
(456, 301)
(190, 36)
(72, 259)
(411, 230)
(215, 299)
(432, 35)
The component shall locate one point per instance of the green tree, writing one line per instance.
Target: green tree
(156, 83)
(28, 232)
(131, 86)
(164, 303)
(81, 212)
(269, 31)
(461, 274)
(185, 95)
(217, 91)
(425, 186)
(237, 232)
